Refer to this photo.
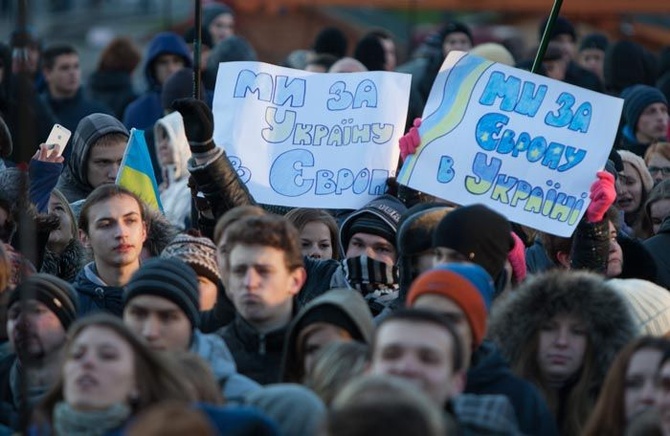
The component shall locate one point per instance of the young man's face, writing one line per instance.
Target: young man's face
(565, 42)
(446, 306)
(420, 352)
(593, 59)
(261, 285)
(456, 41)
(167, 64)
(162, 324)
(653, 123)
(64, 78)
(102, 165)
(115, 231)
(34, 331)
(373, 246)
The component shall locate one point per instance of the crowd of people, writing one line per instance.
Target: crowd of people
(410, 315)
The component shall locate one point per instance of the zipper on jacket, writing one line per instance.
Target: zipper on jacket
(261, 344)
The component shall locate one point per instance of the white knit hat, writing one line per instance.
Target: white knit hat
(649, 304)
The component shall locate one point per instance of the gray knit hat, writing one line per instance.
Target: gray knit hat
(198, 252)
(56, 294)
(171, 279)
(636, 99)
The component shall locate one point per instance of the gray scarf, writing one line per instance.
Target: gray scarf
(67, 421)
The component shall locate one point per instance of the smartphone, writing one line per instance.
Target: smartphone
(57, 140)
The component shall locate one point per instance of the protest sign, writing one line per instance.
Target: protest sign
(525, 145)
(310, 140)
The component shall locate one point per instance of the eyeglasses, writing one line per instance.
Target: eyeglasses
(663, 170)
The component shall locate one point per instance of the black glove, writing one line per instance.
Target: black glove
(198, 123)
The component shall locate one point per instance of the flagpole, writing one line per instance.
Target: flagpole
(546, 36)
(197, 49)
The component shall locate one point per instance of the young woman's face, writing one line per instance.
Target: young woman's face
(562, 345)
(629, 189)
(63, 234)
(663, 396)
(99, 370)
(658, 211)
(615, 254)
(315, 241)
(640, 383)
(163, 147)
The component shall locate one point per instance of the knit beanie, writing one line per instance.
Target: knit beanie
(649, 304)
(562, 26)
(596, 41)
(467, 285)
(478, 233)
(636, 99)
(197, 252)
(494, 52)
(178, 85)
(56, 294)
(638, 163)
(171, 279)
(380, 217)
(213, 10)
(455, 27)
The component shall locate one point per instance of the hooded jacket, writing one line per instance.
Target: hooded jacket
(520, 316)
(73, 181)
(144, 111)
(95, 295)
(490, 374)
(114, 88)
(348, 303)
(257, 355)
(213, 350)
(175, 193)
(657, 246)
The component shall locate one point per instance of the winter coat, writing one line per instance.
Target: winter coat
(659, 248)
(95, 295)
(218, 181)
(145, 110)
(489, 373)
(257, 355)
(174, 191)
(73, 181)
(69, 111)
(629, 142)
(213, 350)
(67, 264)
(349, 305)
(113, 89)
(517, 319)
(43, 179)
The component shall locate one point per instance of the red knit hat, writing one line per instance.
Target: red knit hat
(458, 289)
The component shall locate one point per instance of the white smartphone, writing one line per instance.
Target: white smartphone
(57, 140)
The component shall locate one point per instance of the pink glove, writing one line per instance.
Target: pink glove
(411, 140)
(517, 258)
(602, 195)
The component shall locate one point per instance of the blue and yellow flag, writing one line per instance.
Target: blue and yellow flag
(136, 173)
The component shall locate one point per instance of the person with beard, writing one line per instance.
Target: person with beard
(36, 328)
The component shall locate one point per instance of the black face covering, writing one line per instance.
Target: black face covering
(375, 280)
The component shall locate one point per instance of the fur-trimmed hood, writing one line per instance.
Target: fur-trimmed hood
(516, 319)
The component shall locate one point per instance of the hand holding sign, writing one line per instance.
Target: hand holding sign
(411, 140)
(198, 123)
(602, 195)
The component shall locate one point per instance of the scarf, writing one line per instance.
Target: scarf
(375, 280)
(71, 422)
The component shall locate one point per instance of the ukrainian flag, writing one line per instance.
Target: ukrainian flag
(136, 172)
